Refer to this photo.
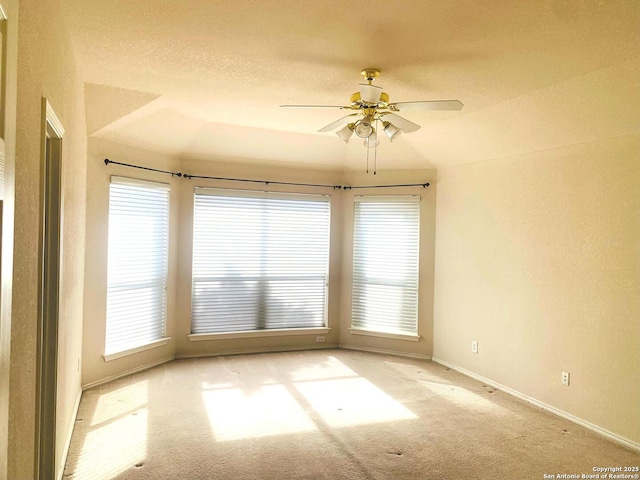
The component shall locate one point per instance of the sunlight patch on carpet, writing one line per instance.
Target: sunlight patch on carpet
(120, 402)
(352, 401)
(329, 368)
(113, 448)
(235, 414)
(464, 398)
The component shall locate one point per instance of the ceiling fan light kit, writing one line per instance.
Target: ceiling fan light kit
(373, 106)
(345, 132)
(391, 131)
(372, 140)
(364, 128)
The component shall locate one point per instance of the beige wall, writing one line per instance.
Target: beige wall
(538, 259)
(47, 68)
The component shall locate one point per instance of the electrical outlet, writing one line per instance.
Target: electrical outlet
(319, 339)
(565, 378)
(474, 346)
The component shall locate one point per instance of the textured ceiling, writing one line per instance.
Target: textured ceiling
(204, 79)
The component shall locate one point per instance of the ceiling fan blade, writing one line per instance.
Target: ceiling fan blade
(427, 105)
(338, 123)
(313, 106)
(402, 123)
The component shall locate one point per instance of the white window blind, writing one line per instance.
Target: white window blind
(260, 261)
(385, 264)
(137, 263)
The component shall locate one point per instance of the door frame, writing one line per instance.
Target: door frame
(50, 260)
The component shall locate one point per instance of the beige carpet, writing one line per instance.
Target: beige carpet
(326, 414)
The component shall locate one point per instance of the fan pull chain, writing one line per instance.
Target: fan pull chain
(367, 160)
(375, 149)
(375, 159)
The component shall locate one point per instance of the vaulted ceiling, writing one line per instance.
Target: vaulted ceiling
(204, 79)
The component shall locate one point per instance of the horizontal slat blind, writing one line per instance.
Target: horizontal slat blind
(385, 264)
(259, 262)
(137, 264)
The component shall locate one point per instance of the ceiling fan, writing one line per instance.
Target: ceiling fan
(372, 109)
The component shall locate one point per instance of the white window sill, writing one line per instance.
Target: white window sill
(284, 332)
(141, 348)
(397, 336)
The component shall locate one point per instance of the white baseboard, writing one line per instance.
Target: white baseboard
(126, 373)
(67, 443)
(549, 408)
(385, 352)
(324, 346)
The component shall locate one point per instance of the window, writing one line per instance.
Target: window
(260, 261)
(385, 265)
(137, 263)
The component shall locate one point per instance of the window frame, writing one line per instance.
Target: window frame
(163, 338)
(265, 332)
(370, 330)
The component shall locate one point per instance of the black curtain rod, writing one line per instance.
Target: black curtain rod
(176, 174)
(423, 185)
(266, 182)
(335, 187)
